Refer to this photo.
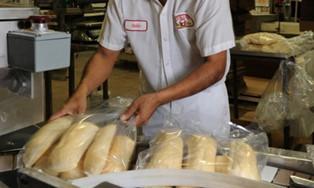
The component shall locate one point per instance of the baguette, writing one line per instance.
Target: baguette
(244, 163)
(44, 138)
(167, 151)
(73, 144)
(75, 173)
(201, 153)
(42, 163)
(96, 155)
(120, 154)
(222, 164)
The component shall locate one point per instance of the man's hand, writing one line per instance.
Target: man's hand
(96, 72)
(142, 108)
(75, 105)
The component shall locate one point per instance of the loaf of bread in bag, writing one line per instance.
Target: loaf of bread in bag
(98, 152)
(201, 153)
(73, 144)
(42, 163)
(77, 172)
(244, 162)
(167, 151)
(222, 164)
(120, 154)
(44, 138)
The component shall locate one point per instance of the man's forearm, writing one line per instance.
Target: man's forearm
(201, 78)
(97, 70)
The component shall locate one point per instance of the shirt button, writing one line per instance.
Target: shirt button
(165, 39)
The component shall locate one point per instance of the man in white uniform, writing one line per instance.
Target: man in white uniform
(182, 50)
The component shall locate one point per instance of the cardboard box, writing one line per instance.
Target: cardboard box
(262, 3)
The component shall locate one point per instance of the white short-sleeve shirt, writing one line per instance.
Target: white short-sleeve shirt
(170, 42)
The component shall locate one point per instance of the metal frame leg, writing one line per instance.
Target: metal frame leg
(235, 89)
(48, 95)
(71, 83)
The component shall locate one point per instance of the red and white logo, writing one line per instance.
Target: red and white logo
(184, 21)
(136, 25)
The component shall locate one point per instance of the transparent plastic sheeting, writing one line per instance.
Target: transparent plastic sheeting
(164, 177)
(290, 96)
(240, 155)
(275, 43)
(72, 147)
(310, 150)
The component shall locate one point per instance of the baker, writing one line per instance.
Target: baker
(182, 52)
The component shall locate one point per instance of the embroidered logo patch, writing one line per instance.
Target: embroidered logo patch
(136, 25)
(184, 21)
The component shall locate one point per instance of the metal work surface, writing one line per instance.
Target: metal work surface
(15, 141)
(291, 160)
(238, 52)
(18, 111)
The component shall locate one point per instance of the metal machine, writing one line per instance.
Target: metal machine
(24, 55)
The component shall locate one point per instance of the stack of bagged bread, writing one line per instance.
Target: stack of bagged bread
(72, 149)
(176, 150)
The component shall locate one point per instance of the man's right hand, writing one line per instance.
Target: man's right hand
(75, 105)
(96, 72)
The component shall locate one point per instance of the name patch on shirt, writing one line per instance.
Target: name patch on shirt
(183, 20)
(136, 25)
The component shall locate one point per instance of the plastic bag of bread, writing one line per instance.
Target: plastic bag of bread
(245, 151)
(165, 151)
(200, 153)
(272, 110)
(44, 138)
(97, 154)
(243, 161)
(265, 42)
(122, 149)
(67, 153)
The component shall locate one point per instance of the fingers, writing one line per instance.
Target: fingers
(140, 120)
(130, 112)
(59, 114)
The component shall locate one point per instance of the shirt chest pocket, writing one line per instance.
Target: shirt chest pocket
(184, 27)
(186, 35)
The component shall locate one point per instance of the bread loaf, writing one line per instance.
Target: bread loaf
(222, 164)
(120, 154)
(96, 155)
(44, 138)
(69, 150)
(244, 163)
(42, 163)
(75, 173)
(167, 151)
(201, 153)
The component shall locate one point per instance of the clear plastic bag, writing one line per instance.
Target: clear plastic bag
(290, 96)
(265, 42)
(174, 148)
(301, 97)
(272, 109)
(302, 43)
(94, 143)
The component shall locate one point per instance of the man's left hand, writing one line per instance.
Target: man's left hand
(142, 108)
